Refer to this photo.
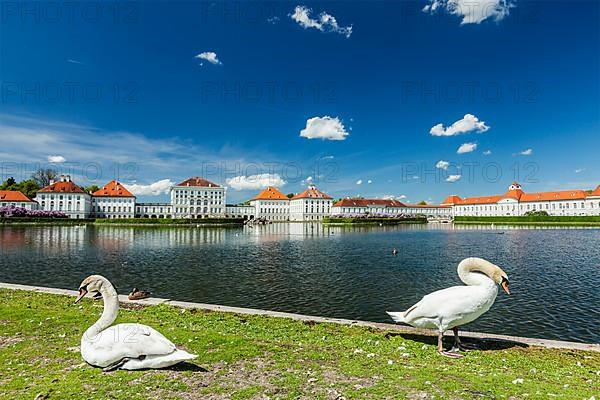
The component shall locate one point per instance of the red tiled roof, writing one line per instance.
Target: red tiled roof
(198, 181)
(368, 202)
(548, 196)
(271, 193)
(481, 200)
(529, 197)
(113, 189)
(428, 205)
(452, 199)
(62, 187)
(514, 194)
(311, 193)
(13, 195)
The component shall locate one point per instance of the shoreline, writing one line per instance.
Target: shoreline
(404, 329)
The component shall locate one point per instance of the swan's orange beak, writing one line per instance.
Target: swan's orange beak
(504, 285)
(82, 293)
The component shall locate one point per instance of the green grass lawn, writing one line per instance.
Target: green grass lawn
(243, 357)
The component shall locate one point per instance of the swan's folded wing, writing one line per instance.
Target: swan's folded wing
(451, 302)
(129, 340)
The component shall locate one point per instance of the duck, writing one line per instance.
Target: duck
(125, 346)
(394, 251)
(137, 294)
(457, 305)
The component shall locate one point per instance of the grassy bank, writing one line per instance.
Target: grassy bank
(243, 357)
(375, 221)
(532, 220)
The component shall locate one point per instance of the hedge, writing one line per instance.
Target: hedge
(531, 218)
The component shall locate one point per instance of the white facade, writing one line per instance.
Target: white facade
(16, 199)
(239, 211)
(153, 210)
(113, 207)
(66, 197)
(272, 210)
(385, 208)
(516, 202)
(198, 198)
(310, 205)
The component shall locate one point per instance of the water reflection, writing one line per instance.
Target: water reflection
(338, 271)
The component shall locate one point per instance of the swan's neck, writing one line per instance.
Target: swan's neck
(476, 272)
(110, 312)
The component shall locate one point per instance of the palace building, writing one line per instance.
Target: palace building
(386, 208)
(17, 199)
(197, 197)
(113, 201)
(66, 197)
(310, 205)
(272, 205)
(516, 202)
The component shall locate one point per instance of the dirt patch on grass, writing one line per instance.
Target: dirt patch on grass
(7, 341)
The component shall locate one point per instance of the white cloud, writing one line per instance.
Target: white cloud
(369, 181)
(359, 182)
(71, 61)
(578, 170)
(466, 148)
(527, 152)
(442, 164)
(155, 188)
(472, 12)
(209, 56)
(487, 152)
(324, 22)
(469, 123)
(326, 128)
(256, 182)
(453, 178)
(56, 159)
(393, 197)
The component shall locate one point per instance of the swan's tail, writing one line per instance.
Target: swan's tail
(397, 316)
(183, 355)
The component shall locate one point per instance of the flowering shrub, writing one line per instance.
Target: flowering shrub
(22, 212)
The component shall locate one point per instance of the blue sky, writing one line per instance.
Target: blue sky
(344, 94)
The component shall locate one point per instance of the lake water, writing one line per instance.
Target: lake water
(328, 271)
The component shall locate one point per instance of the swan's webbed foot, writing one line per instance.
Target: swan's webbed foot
(450, 354)
(458, 345)
(115, 365)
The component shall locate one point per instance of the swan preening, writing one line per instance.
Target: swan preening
(124, 346)
(458, 305)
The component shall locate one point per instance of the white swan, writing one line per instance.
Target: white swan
(124, 346)
(458, 305)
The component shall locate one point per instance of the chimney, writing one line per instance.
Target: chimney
(52, 181)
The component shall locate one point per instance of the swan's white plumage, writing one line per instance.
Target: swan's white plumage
(137, 346)
(457, 305)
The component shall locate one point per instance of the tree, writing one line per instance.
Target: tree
(43, 176)
(290, 195)
(29, 188)
(8, 184)
(92, 188)
(422, 203)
